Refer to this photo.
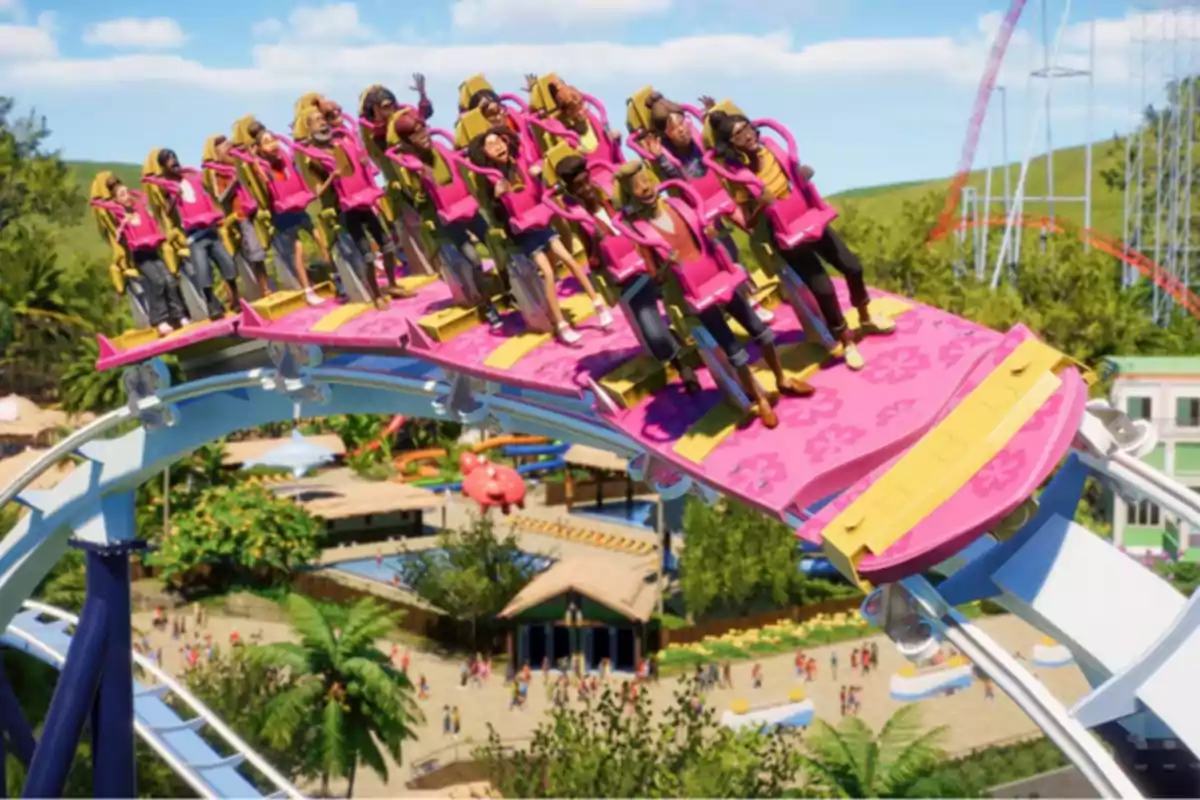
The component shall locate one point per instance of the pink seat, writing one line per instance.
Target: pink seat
(796, 219)
(452, 201)
(705, 282)
(711, 279)
(525, 207)
(622, 258)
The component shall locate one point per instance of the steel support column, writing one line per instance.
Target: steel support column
(14, 723)
(114, 771)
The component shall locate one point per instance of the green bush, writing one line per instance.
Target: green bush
(240, 534)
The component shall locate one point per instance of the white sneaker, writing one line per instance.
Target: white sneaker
(165, 329)
(313, 298)
(184, 322)
(606, 317)
(764, 314)
(567, 334)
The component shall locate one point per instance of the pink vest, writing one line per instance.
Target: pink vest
(196, 209)
(290, 192)
(145, 235)
(357, 190)
(710, 279)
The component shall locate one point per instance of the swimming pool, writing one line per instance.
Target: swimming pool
(385, 570)
(640, 515)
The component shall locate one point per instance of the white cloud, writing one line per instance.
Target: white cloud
(28, 42)
(141, 33)
(491, 15)
(333, 22)
(268, 29)
(328, 46)
(11, 8)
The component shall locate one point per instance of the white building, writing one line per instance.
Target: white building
(1166, 391)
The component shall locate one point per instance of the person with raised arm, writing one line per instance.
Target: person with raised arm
(409, 134)
(221, 180)
(676, 232)
(190, 207)
(640, 293)
(379, 105)
(499, 150)
(570, 110)
(737, 142)
(139, 234)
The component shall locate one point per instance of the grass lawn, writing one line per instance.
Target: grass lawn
(886, 201)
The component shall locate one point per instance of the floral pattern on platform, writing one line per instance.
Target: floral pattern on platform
(896, 366)
(958, 348)
(758, 474)
(797, 413)
(893, 411)
(1046, 413)
(832, 441)
(1007, 468)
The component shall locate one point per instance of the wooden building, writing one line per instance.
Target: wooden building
(594, 608)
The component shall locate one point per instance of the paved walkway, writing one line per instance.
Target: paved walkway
(972, 720)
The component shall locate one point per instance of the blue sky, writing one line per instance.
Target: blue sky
(875, 90)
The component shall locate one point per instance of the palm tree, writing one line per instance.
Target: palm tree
(344, 692)
(853, 761)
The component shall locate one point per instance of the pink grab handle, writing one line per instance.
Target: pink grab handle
(170, 186)
(555, 128)
(693, 197)
(793, 152)
(742, 176)
(657, 246)
(597, 108)
(247, 158)
(516, 100)
(443, 134)
(568, 213)
(221, 169)
(406, 160)
(487, 172)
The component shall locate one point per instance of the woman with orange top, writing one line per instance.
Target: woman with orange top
(737, 142)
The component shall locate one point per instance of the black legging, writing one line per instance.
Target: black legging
(363, 225)
(805, 261)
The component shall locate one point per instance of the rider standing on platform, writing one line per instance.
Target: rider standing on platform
(140, 234)
(640, 294)
(737, 141)
(361, 223)
(676, 232)
(190, 201)
(234, 198)
(500, 149)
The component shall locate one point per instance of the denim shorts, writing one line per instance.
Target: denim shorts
(534, 241)
(290, 220)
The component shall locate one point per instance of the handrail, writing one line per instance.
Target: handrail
(212, 720)
(191, 777)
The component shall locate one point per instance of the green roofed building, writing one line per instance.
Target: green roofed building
(1166, 391)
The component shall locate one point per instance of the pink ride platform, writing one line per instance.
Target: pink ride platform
(113, 356)
(842, 439)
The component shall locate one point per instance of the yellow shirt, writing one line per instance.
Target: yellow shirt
(773, 176)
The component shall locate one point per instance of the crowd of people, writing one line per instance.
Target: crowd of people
(543, 179)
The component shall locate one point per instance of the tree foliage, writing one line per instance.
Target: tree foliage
(852, 760)
(473, 573)
(47, 311)
(346, 700)
(236, 534)
(240, 689)
(603, 750)
(735, 558)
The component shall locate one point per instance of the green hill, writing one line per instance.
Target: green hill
(1107, 205)
(881, 201)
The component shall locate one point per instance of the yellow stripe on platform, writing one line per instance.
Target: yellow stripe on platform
(575, 308)
(800, 361)
(942, 462)
(340, 316)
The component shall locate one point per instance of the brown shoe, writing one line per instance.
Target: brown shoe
(398, 292)
(767, 414)
(381, 304)
(796, 388)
